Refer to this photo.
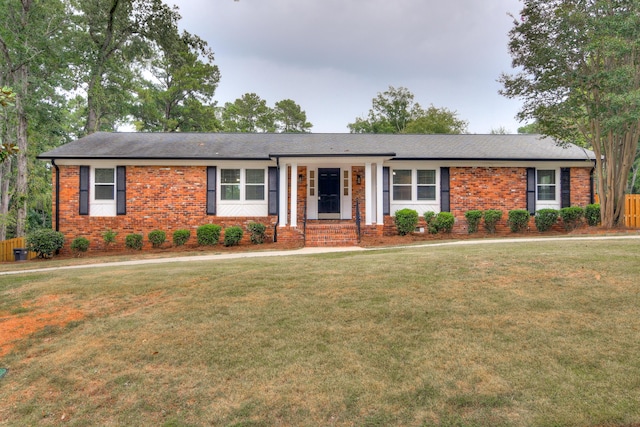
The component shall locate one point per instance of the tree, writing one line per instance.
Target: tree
(499, 131)
(531, 128)
(7, 98)
(31, 44)
(394, 111)
(184, 82)
(290, 118)
(437, 120)
(111, 38)
(248, 114)
(581, 78)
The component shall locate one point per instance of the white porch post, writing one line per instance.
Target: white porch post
(294, 194)
(379, 198)
(368, 194)
(283, 196)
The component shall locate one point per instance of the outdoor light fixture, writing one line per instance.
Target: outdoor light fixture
(300, 176)
(358, 179)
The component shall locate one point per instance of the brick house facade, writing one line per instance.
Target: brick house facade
(136, 183)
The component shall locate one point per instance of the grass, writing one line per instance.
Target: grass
(516, 334)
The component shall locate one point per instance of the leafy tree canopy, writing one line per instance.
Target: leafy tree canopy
(394, 111)
(580, 77)
(252, 114)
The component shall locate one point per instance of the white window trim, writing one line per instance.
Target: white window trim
(414, 184)
(243, 187)
(102, 207)
(549, 204)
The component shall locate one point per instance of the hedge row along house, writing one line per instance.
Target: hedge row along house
(315, 188)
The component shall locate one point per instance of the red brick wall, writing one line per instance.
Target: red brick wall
(163, 198)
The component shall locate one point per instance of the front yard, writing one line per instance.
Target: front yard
(513, 334)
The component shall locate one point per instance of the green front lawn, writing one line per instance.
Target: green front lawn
(513, 334)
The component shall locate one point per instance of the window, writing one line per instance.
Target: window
(402, 184)
(104, 184)
(426, 184)
(546, 183)
(254, 184)
(230, 184)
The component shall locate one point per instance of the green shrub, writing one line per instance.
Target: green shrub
(428, 218)
(491, 219)
(80, 244)
(44, 242)
(592, 214)
(157, 238)
(571, 217)
(258, 232)
(518, 220)
(109, 237)
(545, 219)
(406, 221)
(208, 234)
(473, 218)
(180, 237)
(133, 241)
(233, 235)
(441, 223)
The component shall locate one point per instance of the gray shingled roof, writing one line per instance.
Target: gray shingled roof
(205, 146)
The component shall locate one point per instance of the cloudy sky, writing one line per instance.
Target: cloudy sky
(332, 57)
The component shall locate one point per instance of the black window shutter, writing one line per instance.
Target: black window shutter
(273, 190)
(531, 190)
(84, 190)
(211, 190)
(445, 195)
(386, 202)
(121, 190)
(565, 187)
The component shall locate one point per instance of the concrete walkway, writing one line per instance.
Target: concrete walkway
(322, 250)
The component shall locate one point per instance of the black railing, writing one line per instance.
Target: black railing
(358, 219)
(304, 221)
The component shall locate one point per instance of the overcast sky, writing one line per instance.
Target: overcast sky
(332, 57)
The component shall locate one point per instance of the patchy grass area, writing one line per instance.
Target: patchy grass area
(515, 334)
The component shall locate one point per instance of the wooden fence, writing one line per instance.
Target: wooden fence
(632, 211)
(7, 247)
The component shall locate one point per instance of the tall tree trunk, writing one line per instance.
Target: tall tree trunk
(5, 177)
(20, 194)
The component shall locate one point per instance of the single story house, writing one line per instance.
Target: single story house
(298, 183)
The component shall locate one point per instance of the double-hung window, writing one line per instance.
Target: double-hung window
(546, 185)
(402, 184)
(230, 184)
(412, 184)
(426, 184)
(242, 184)
(254, 184)
(104, 184)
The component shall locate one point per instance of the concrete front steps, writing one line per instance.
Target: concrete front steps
(321, 234)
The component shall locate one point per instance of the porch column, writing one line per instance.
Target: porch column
(379, 198)
(368, 194)
(282, 196)
(294, 194)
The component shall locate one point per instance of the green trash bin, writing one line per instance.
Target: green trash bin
(20, 254)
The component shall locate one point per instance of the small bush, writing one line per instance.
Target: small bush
(80, 244)
(208, 234)
(518, 220)
(157, 238)
(44, 242)
(133, 241)
(473, 218)
(592, 214)
(491, 219)
(428, 218)
(545, 219)
(180, 237)
(258, 232)
(442, 223)
(406, 221)
(109, 237)
(233, 235)
(571, 217)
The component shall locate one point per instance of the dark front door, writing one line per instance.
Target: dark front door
(329, 193)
